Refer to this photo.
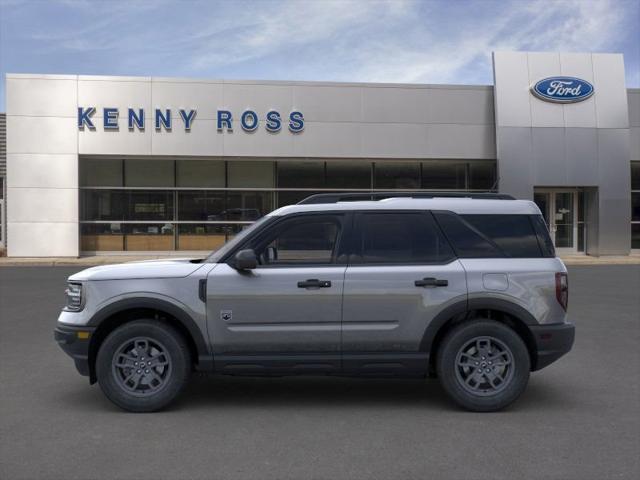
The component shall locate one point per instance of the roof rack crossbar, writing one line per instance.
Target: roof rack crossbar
(363, 196)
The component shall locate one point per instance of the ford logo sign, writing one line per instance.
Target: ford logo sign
(562, 89)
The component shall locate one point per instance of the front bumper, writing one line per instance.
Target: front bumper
(75, 343)
(552, 342)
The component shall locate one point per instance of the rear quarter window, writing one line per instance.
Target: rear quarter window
(486, 236)
(513, 234)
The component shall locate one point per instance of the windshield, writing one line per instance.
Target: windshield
(216, 255)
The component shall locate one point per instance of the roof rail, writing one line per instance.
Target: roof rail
(363, 196)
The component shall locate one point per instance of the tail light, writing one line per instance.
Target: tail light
(562, 289)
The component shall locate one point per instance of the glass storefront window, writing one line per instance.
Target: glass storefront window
(444, 175)
(101, 172)
(148, 237)
(150, 205)
(300, 175)
(204, 236)
(103, 205)
(250, 174)
(149, 173)
(635, 235)
(635, 206)
(291, 198)
(482, 176)
(356, 174)
(247, 206)
(397, 175)
(101, 237)
(200, 205)
(215, 194)
(200, 173)
(635, 175)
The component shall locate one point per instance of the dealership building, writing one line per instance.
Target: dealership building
(106, 165)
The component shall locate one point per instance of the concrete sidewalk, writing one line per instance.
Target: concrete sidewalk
(94, 260)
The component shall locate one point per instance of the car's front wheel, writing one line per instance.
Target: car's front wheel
(143, 365)
(483, 365)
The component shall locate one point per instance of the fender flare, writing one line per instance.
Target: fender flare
(465, 306)
(205, 359)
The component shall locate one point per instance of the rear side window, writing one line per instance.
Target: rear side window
(513, 234)
(485, 236)
(400, 238)
(467, 241)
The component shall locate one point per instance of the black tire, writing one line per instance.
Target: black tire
(121, 365)
(464, 371)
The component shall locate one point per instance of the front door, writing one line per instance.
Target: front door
(401, 274)
(559, 209)
(286, 313)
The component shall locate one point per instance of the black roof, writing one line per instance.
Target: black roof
(363, 196)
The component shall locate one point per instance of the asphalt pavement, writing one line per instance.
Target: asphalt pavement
(578, 419)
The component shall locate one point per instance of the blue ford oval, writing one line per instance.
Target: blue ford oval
(562, 89)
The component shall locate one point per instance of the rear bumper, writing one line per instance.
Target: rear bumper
(552, 342)
(75, 345)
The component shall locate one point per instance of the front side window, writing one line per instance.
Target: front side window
(302, 240)
(400, 238)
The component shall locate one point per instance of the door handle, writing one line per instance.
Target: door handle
(314, 283)
(431, 282)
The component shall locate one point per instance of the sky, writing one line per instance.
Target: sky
(403, 41)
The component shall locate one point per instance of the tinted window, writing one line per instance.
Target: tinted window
(301, 240)
(544, 239)
(400, 238)
(468, 242)
(513, 234)
(397, 175)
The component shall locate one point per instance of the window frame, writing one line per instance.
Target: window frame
(344, 220)
(355, 253)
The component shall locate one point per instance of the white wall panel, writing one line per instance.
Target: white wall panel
(203, 139)
(395, 140)
(114, 93)
(320, 103)
(116, 142)
(612, 109)
(580, 114)
(461, 106)
(43, 204)
(461, 141)
(205, 97)
(511, 74)
(260, 98)
(395, 105)
(41, 135)
(42, 239)
(544, 114)
(42, 170)
(45, 97)
(260, 143)
(327, 140)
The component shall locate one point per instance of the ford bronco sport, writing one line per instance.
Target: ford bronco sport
(463, 287)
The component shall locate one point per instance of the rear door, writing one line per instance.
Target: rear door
(401, 274)
(286, 313)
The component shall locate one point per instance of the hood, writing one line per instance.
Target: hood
(168, 268)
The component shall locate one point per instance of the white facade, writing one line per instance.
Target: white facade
(536, 144)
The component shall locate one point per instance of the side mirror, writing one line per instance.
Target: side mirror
(245, 260)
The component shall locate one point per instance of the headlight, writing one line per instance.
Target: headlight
(74, 297)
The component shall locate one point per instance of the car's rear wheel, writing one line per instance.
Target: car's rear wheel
(483, 365)
(143, 365)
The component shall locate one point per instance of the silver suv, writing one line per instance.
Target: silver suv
(467, 289)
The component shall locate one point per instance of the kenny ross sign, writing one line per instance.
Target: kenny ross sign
(249, 120)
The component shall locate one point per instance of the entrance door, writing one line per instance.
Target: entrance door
(559, 209)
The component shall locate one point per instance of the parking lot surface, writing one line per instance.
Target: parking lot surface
(578, 419)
